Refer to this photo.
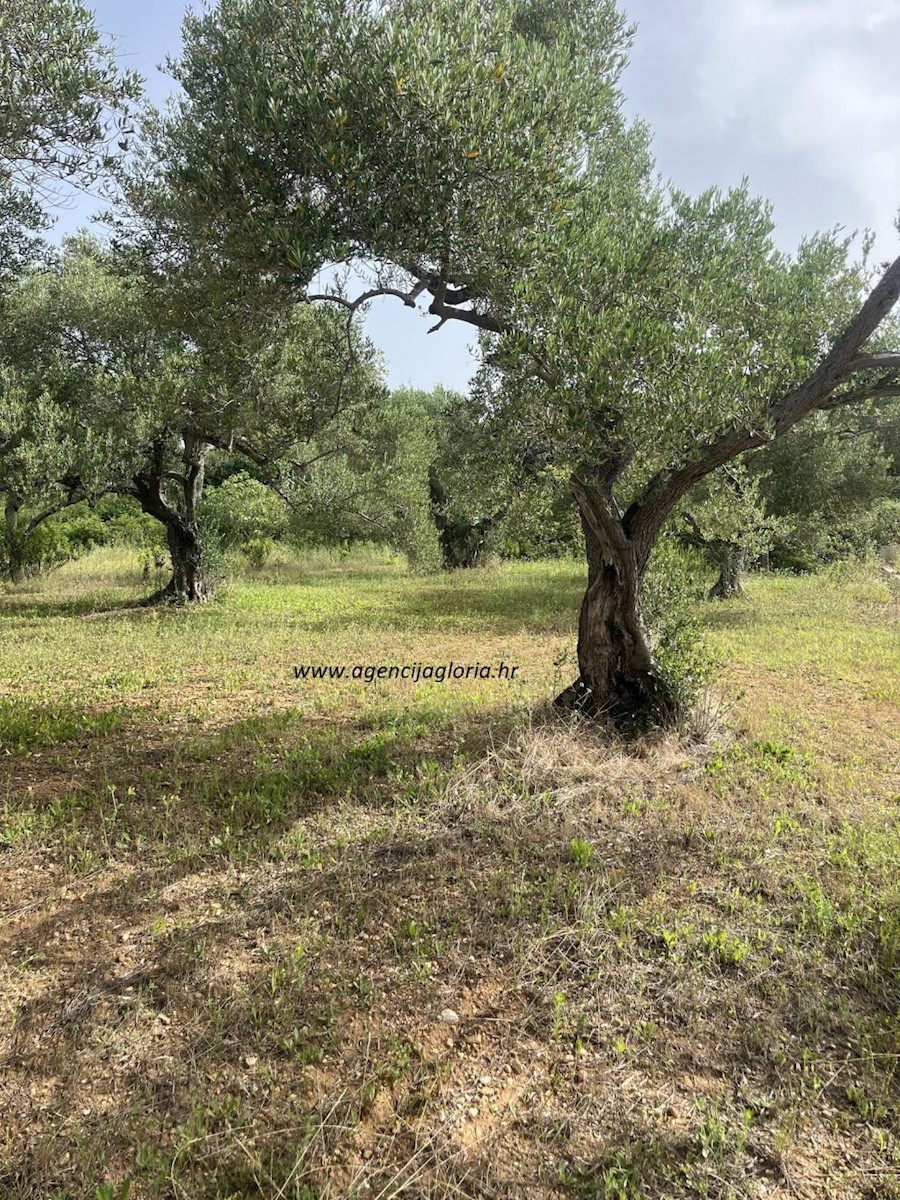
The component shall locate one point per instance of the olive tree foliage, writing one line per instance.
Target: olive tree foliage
(245, 513)
(372, 487)
(466, 479)
(41, 450)
(157, 402)
(725, 516)
(392, 470)
(833, 485)
(350, 460)
(492, 481)
(66, 114)
(90, 332)
(477, 155)
(51, 457)
(295, 141)
(830, 489)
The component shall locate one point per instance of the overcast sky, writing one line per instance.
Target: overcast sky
(802, 96)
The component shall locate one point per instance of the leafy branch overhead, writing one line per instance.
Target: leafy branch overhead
(67, 116)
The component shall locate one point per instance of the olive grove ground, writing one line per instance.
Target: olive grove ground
(235, 905)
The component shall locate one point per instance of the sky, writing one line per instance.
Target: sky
(800, 96)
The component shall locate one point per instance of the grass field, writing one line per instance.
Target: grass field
(236, 905)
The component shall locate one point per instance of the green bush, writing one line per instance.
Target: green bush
(66, 535)
(243, 513)
(112, 521)
(885, 523)
(817, 541)
(671, 586)
(257, 550)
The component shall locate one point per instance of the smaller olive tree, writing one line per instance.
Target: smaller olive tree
(42, 458)
(300, 397)
(101, 355)
(370, 484)
(725, 517)
(827, 483)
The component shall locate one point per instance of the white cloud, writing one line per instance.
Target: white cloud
(805, 92)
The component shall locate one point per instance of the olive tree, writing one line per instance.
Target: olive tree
(828, 481)
(493, 482)
(90, 332)
(158, 399)
(476, 156)
(45, 464)
(725, 516)
(66, 114)
(317, 421)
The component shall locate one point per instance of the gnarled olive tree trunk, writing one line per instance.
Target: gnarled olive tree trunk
(461, 541)
(189, 583)
(731, 563)
(618, 675)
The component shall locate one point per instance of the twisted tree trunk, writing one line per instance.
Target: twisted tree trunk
(731, 565)
(618, 675)
(461, 541)
(189, 583)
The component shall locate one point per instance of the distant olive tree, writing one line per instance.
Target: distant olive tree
(726, 517)
(45, 462)
(297, 398)
(830, 483)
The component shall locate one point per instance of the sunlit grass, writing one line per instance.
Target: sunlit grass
(68, 642)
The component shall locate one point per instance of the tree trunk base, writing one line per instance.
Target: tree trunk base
(620, 680)
(577, 697)
(725, 588)
(634, 706)
(729, 582)
(178, 597)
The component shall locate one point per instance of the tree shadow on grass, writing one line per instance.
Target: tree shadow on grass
(235, 789)
(167, 989)
(498, 610)
(33, 607)
(483, 601)
(727, 615)
(243, 996)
